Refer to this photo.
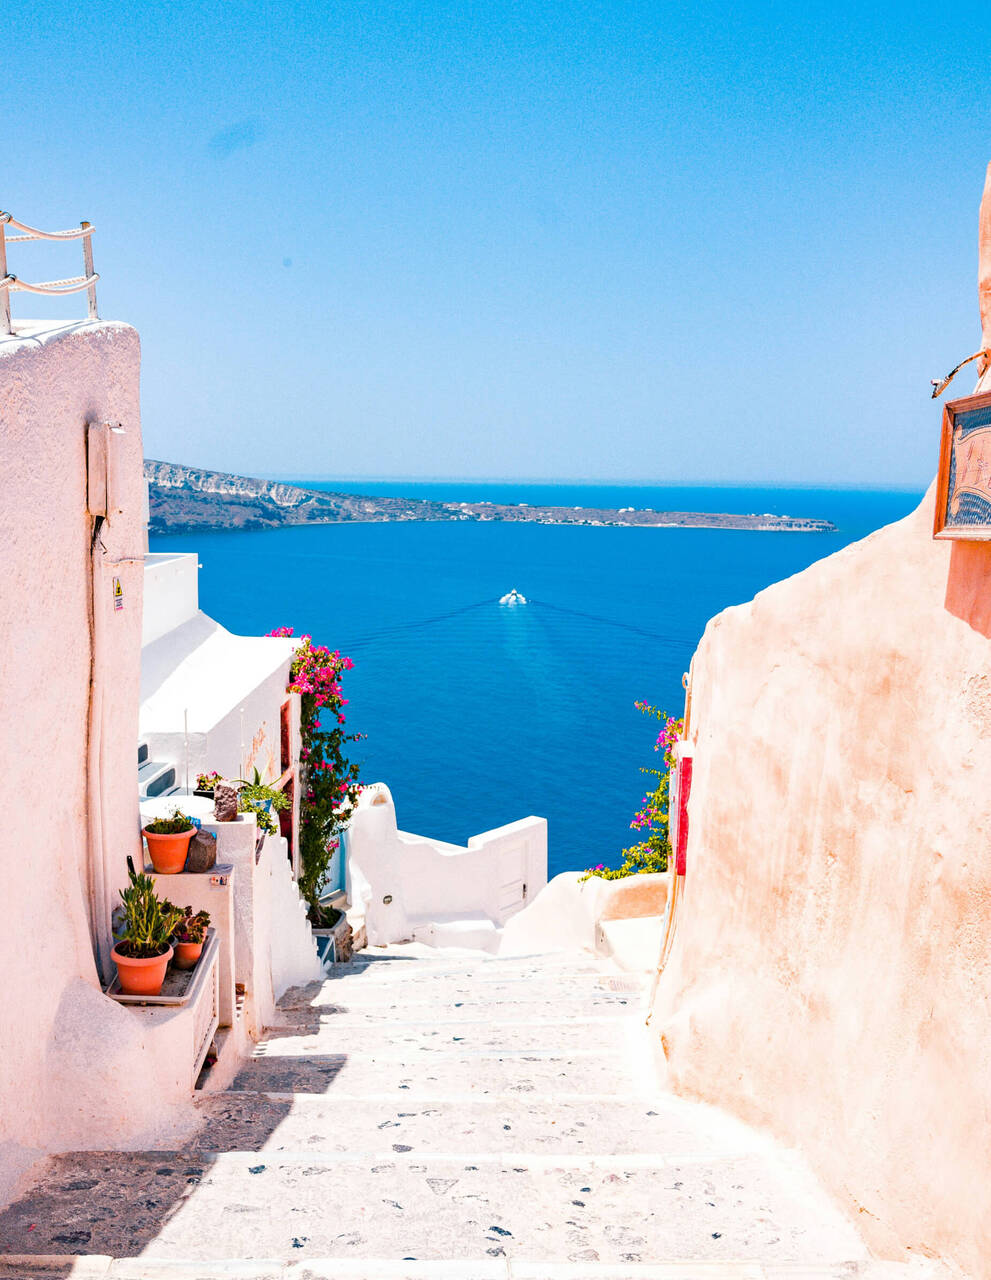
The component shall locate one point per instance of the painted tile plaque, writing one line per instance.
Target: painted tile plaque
(963, 494)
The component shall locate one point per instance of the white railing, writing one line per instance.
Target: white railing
(52, 288)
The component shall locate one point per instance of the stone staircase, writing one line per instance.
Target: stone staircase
(429, 1114)
(155, 777)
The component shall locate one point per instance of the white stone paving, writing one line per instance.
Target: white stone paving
(426, 1114)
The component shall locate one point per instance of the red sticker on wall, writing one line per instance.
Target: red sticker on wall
(684, 791)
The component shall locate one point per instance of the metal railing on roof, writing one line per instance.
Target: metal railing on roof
(53, 288)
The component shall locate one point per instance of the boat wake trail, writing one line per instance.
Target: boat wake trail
(514, 597)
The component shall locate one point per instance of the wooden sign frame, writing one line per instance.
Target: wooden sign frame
(956, 500)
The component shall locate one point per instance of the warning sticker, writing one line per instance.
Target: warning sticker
(118, 595)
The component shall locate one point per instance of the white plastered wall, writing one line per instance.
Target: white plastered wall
(72, 1071)
(405, 884)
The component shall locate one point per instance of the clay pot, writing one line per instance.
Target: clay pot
(187, 954)
(140, 977)
(168, 853)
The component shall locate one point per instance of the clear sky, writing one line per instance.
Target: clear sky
(696, 242)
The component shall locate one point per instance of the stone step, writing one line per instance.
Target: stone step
(155, 778)
(450, 999)
(468, 1008)
(575, 1036)
(372, 976)
(420, 1000)
(664, 1128)
(474, 930)
(579, 1210)
(101, 1267)
(425, 957)
(471, 1073)
(391, 969)
(451, 1117)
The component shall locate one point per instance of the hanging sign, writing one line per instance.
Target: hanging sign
(118, 596)
(963, 491)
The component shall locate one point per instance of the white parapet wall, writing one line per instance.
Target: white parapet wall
(410, 887)
(293, 958)
(623, 919)
(171, 595)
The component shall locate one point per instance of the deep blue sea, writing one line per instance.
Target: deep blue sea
(477, 714)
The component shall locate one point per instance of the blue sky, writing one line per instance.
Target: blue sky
(710, 242)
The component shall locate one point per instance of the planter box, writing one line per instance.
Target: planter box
(186, 1014)
(211, 891)
(181, 986)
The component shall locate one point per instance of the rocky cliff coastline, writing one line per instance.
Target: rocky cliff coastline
(182, 497)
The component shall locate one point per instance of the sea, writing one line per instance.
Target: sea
(477, 713)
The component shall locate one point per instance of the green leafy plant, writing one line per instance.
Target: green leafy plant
(207, 781)
(191, 926)
(263, 817)
(329, 787)
(652, 853)
(257, 798)
(259, 793)
(146, 922)
(171, 826)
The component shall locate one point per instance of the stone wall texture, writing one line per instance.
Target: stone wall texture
(831, 975)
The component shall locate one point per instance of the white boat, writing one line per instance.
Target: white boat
(513, 597)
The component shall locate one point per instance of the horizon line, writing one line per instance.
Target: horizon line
(852, 485)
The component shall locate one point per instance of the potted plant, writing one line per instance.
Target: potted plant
(205, 784)
(168, 842)
(189, 936)
(255, 797)
(143, 948)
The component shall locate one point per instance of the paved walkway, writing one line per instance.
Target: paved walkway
(437, 1115)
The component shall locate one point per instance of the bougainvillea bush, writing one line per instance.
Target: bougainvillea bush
(328, 781)
(652, 852)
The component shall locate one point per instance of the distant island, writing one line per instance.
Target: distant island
(182, 498)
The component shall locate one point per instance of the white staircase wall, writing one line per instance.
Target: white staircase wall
(411, 886)
(293, 948)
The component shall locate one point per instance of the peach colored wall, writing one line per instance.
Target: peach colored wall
(831, 975)
(68, 1064)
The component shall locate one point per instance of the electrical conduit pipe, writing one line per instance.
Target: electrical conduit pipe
(102, 442)
(99, 889)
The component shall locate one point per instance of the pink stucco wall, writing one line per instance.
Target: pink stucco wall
(70, 1068)
(831, 975)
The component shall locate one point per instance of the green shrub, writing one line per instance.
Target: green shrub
(652, 853)
(191, 926)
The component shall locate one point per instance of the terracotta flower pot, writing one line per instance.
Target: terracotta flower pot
(187, 954)
(140, 977)
(168, 853)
